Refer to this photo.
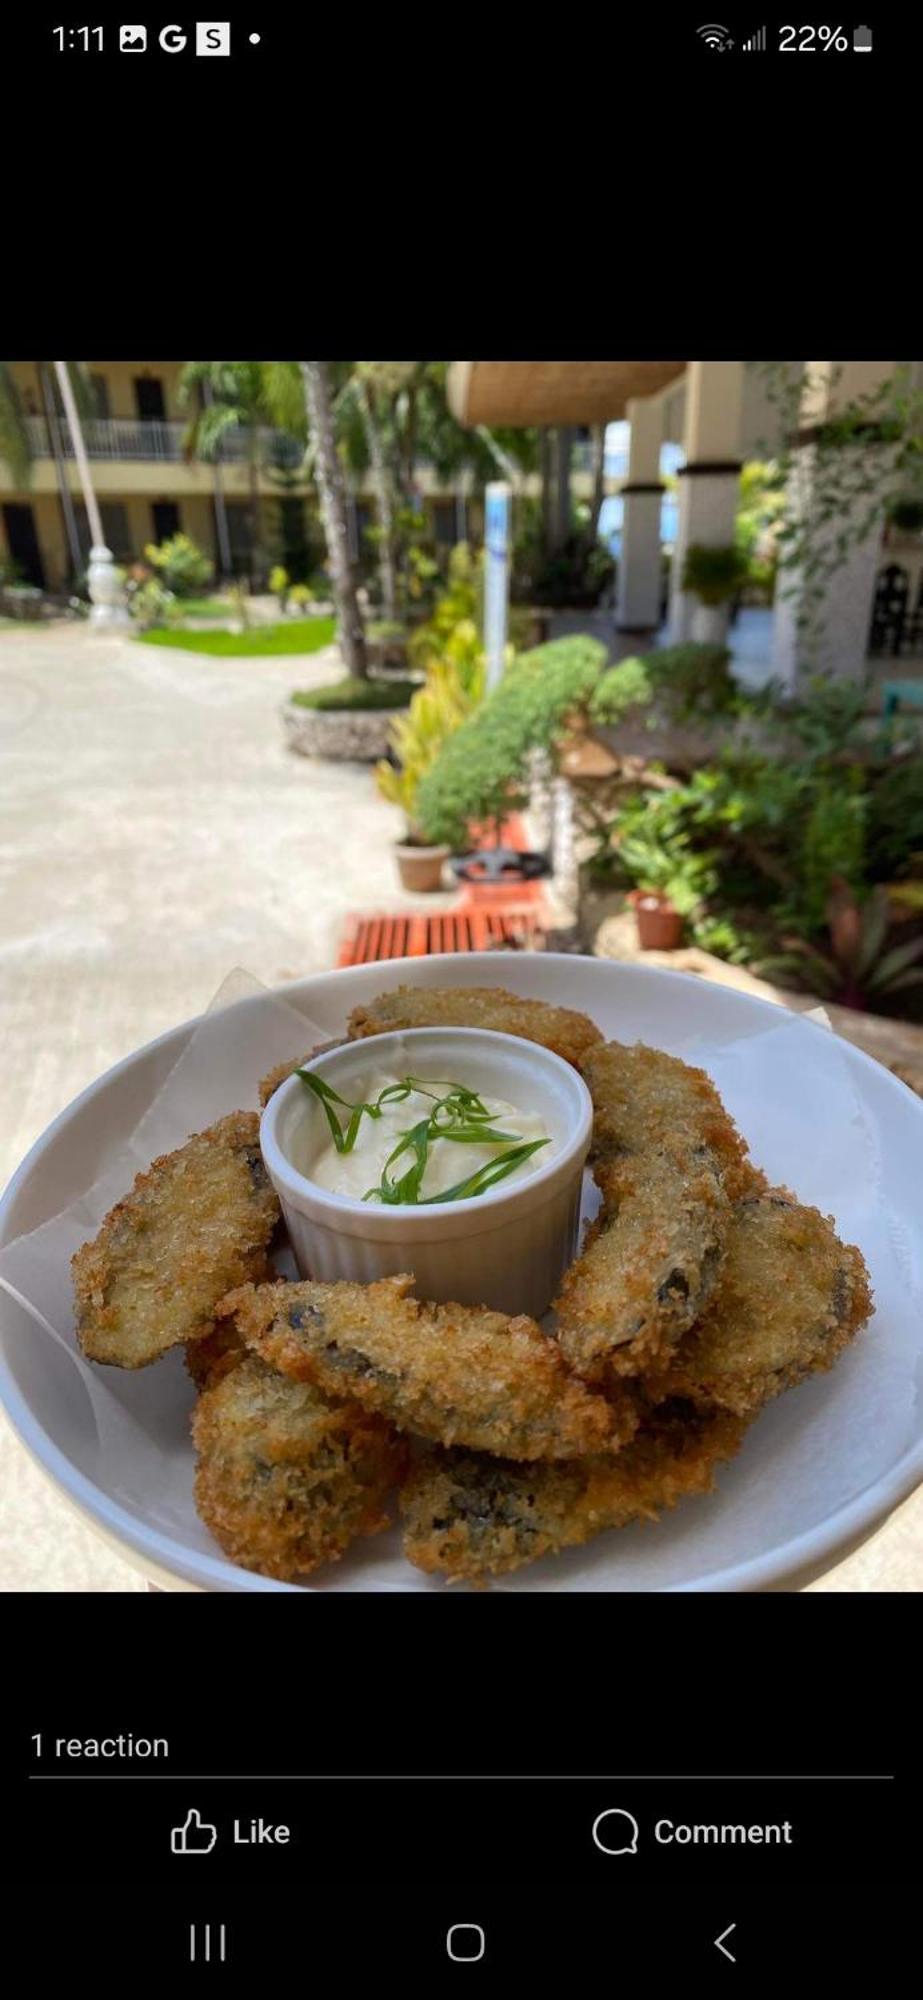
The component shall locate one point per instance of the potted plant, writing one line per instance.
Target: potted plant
(437, 709)
(666, 893)
(714, 576)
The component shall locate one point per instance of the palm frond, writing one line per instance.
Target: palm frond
(15, 448)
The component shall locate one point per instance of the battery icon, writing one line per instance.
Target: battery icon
(862, 40)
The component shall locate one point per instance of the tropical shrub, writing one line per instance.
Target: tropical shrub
(480, 771)
(416, 739)
(688, 680)
(180, 564)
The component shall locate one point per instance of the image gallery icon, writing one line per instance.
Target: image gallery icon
(213, 38)
(133, 40)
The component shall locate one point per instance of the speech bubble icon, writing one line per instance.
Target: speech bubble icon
(616, 1831)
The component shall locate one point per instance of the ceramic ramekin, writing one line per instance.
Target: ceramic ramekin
(507, 1248)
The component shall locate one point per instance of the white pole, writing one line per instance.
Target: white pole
(108, 605)
(496, 578)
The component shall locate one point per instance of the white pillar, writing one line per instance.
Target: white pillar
(638, 601)
(824, 628)
(710, 479)
(107, 597)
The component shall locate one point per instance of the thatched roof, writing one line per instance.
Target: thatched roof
(552, 392)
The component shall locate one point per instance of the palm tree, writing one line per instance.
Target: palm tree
(15, 448)
(328, 472)
(235, 396)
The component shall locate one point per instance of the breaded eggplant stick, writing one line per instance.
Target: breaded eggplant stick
(215, 1354)
(195, 1224)
(272, 1080)
(791, 1297)
(459, 1374)
(560, 1029)
(468, 1516)
(667, 1159)
(286, 1480)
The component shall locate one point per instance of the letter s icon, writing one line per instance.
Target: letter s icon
(172, 39)
(213, 38)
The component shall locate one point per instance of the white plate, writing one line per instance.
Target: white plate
(823, 1466)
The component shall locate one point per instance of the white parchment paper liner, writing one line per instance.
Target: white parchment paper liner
(795, 1099)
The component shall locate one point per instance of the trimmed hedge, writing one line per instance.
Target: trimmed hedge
(357, 694)
(476, 774)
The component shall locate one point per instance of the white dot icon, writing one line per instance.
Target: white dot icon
(254, 38)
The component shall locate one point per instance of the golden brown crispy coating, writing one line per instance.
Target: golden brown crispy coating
(668, 1159)
(271, 1082)
(286, 1480)
(195, 1224)
(215, 1355)
(566, 1033)
(460, 1374)
(791, 1297)
(469, 1516)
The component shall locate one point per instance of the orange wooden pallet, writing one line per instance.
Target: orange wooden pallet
(369, 939)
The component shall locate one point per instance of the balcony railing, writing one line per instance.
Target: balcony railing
(156, 440)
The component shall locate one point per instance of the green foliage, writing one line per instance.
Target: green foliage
(478, 770)
(438, 709)
(300, 594)
(858, 455)
(577, 574)
(278, 583)
(629, 685)
(906, 516)
(181, 565)
(857, 967)
(895, 818)
(149, 600)
(714, 575)
(832, 840)
(356, 694)
(297, 635)
(667, 864)
(688, 680)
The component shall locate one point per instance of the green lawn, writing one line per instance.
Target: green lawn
(205, 607)
(297, 635)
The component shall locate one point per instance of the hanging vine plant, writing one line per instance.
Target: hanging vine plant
(840, 478)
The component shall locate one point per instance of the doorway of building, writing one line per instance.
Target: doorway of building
(149, 398)
(165, 516)
(22, 542)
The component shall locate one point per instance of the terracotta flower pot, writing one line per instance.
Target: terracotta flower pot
(420, 868)
(660, 927)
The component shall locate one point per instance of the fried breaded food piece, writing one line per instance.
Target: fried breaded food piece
(272, 1080)
(469, 1516)
(215, 1354)
(566, 1033)
(286, 1480)
(791, 1297)
(460, 1374)
(667, 1159)
(195, 1224)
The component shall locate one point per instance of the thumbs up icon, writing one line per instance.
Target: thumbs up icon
(194, 1836)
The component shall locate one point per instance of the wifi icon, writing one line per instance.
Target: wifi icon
(715, 37)
(757, 40)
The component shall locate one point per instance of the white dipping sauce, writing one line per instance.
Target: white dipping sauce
(448, 1162)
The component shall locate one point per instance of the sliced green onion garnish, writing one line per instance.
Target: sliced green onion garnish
(461, 1115)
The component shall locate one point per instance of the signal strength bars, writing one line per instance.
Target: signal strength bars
(756, 41)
